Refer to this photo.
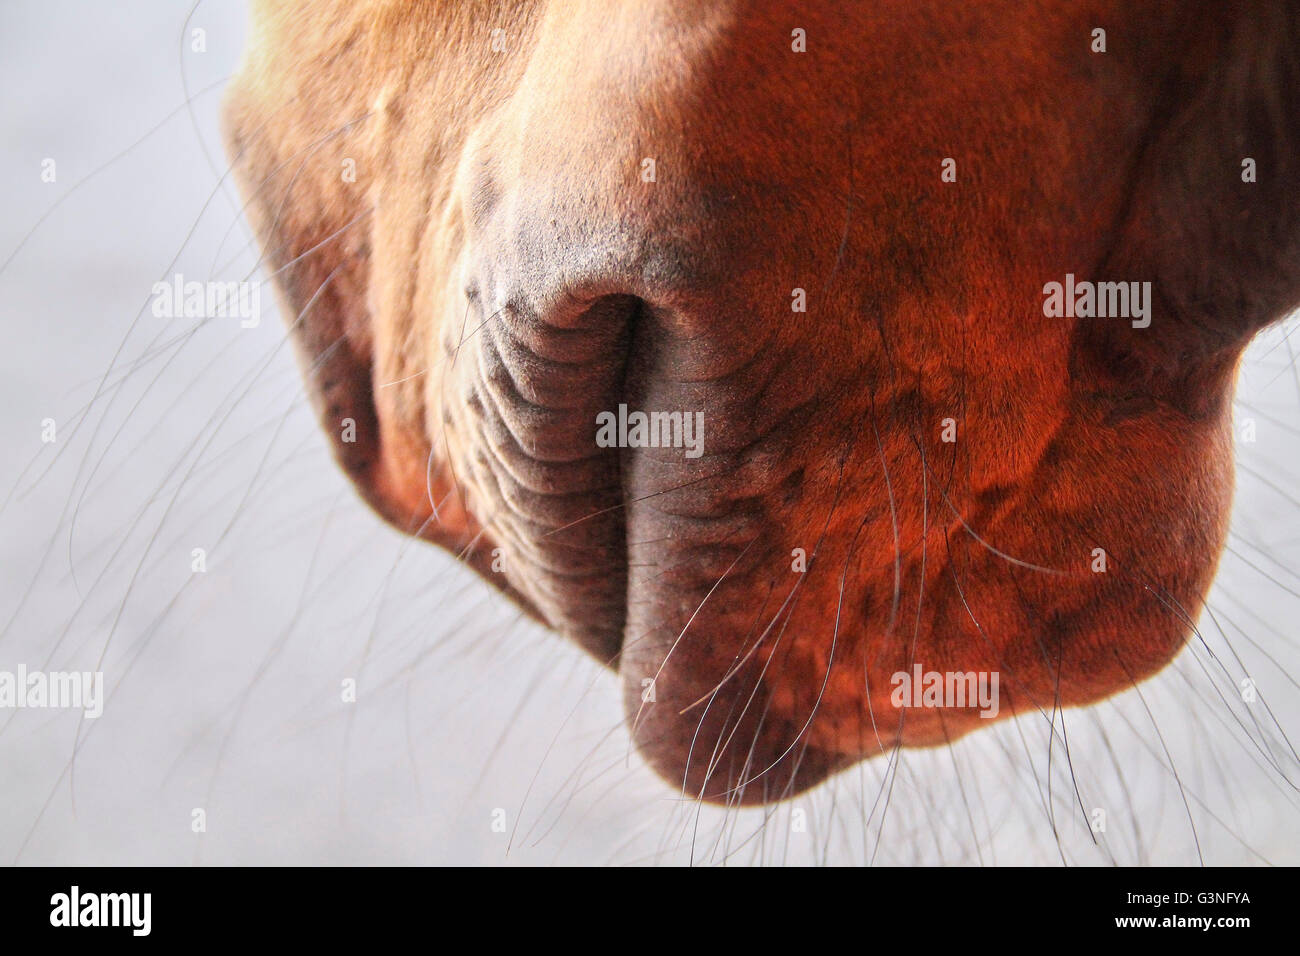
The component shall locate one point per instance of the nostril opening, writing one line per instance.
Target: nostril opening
(540, 382)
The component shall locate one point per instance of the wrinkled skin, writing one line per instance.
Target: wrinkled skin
(498, 271)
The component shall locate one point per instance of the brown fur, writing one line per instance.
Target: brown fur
(499, 273)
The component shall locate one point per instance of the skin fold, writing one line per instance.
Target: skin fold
(919, 467)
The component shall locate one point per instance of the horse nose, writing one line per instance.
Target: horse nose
(615, 258)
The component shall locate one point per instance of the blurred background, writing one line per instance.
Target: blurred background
(474, 737)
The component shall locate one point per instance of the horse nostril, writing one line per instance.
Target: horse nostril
(550, 497)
